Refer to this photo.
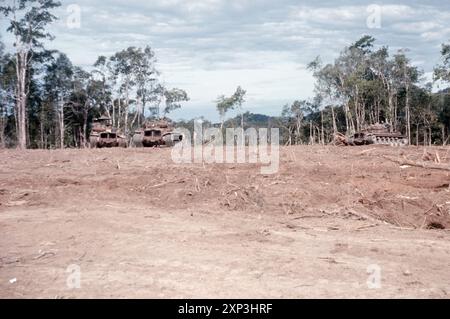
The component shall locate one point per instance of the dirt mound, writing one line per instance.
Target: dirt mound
(312, 181)
(140, 225)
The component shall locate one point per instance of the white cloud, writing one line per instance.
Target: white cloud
(209, 47)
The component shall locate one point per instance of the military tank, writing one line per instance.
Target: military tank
(381, 134)
(103, 135)
(155, 134)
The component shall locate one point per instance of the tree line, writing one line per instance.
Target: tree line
(366, 85)
(48, 102)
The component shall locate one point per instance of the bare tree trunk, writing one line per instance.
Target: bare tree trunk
(41, 133)
(417, 134)
(62, 129)
(357, 116)
(242, 122)
(120, 112)
(75, 142)
(222, 122)
(377, 114)
(136, 116)
(425, 137)
(322, 135)
(443, 135)
(113, 114)
(391, 119)
(298, 128)
(430, 136)
(347, 118)
(408, 117)
(407, 107)
(85, 122)
(21, 70)
(318, 135)
(395, 114)
(314, 135)
(334, 120)
(16, 117)
(2, 126)
(127, 106)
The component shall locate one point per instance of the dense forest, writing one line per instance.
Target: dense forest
(47, 102)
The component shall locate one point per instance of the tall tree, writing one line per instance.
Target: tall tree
(58, 82)
(173, 99)
(294, 115)
(223, 106)
(442, 71)
(122, 66)
(104, 75)
(145, 76)
(28, 19)
(369, 85)
(238, 100)
(3, 94)
(408, 75)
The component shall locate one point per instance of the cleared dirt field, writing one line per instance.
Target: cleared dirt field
(139, 225)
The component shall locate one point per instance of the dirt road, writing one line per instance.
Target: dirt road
(334, 222)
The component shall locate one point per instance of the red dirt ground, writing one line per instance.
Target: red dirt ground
(139, 225)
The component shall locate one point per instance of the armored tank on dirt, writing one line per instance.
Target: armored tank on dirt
(156, 133)
(104, 135)
(381, 134)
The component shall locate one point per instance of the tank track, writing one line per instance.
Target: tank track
(391, 141)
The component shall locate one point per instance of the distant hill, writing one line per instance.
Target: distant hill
(252, 120)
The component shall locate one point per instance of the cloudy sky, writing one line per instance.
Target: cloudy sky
(209, 47)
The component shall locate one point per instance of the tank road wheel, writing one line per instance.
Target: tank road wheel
(398, 142)
(379, 140)
(405, 142)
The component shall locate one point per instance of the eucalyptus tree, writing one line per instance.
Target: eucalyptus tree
(7, 86)
(328, 88)
(121, 65)
(173, 99)
(58, 85)
(407, 76)
(356, 62)
(344, 81)
(105, 78)
(28, 20)
(134, 72)
(238, 100)
(84, 103)
(223, 105)
(145, 76)
(442, 71)
(383, 69)
(294, 115)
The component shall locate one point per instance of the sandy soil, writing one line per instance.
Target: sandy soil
(139, 225)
